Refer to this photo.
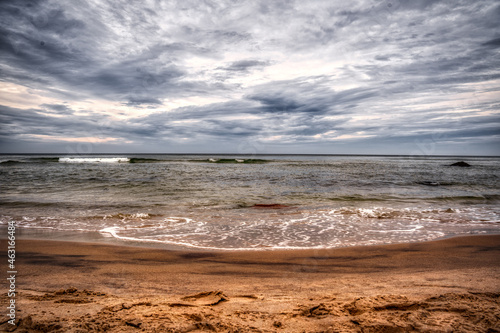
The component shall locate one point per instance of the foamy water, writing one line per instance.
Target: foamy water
(208, 202)
(94, 160)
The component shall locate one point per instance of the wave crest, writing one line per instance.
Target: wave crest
(94, 160)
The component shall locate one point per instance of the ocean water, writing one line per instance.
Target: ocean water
(250, 202)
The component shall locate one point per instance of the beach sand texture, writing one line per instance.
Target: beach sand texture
(450, 285)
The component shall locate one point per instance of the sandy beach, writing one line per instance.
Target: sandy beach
(250, 166)
(440, 286)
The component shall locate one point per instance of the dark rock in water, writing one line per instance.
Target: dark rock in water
(461, 164)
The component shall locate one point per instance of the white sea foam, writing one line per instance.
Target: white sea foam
(94, 160)
(251, 230)
(113, 231)
(312, 230)
(333, 201)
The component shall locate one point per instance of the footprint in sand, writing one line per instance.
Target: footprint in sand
(207, 298)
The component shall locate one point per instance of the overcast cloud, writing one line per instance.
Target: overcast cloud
(376, 77)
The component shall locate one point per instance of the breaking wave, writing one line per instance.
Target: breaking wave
(94, 160)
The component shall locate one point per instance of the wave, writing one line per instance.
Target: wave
(122, 216)
(31, 160)
(362, 198)
(144, 160)
(401, 197)
(44, 159)
(81, 160)
(346, 226)
(235, 160)
(391, 213)
(27, 204)
(94, 160)
(10, 162)
(466, 198)
(307, 229)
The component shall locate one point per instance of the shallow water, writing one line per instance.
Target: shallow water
(203, 201)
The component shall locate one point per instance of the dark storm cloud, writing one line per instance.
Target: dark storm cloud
(307, 98)
(493, 43)
(38, 122)
(16, 122)
(42, 45)
(391, 71)
(488, 135)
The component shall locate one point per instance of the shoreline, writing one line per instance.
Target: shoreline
(88, 237)
(437, 285)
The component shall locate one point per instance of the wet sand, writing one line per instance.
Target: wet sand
(441, 286)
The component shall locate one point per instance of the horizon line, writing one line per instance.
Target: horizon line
(256, 154)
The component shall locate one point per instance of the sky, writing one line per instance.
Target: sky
(412, 77)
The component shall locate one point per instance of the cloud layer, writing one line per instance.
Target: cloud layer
(385, 77)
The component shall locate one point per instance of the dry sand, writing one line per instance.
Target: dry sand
(450, 285)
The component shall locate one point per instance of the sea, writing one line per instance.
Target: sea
(242, 202)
